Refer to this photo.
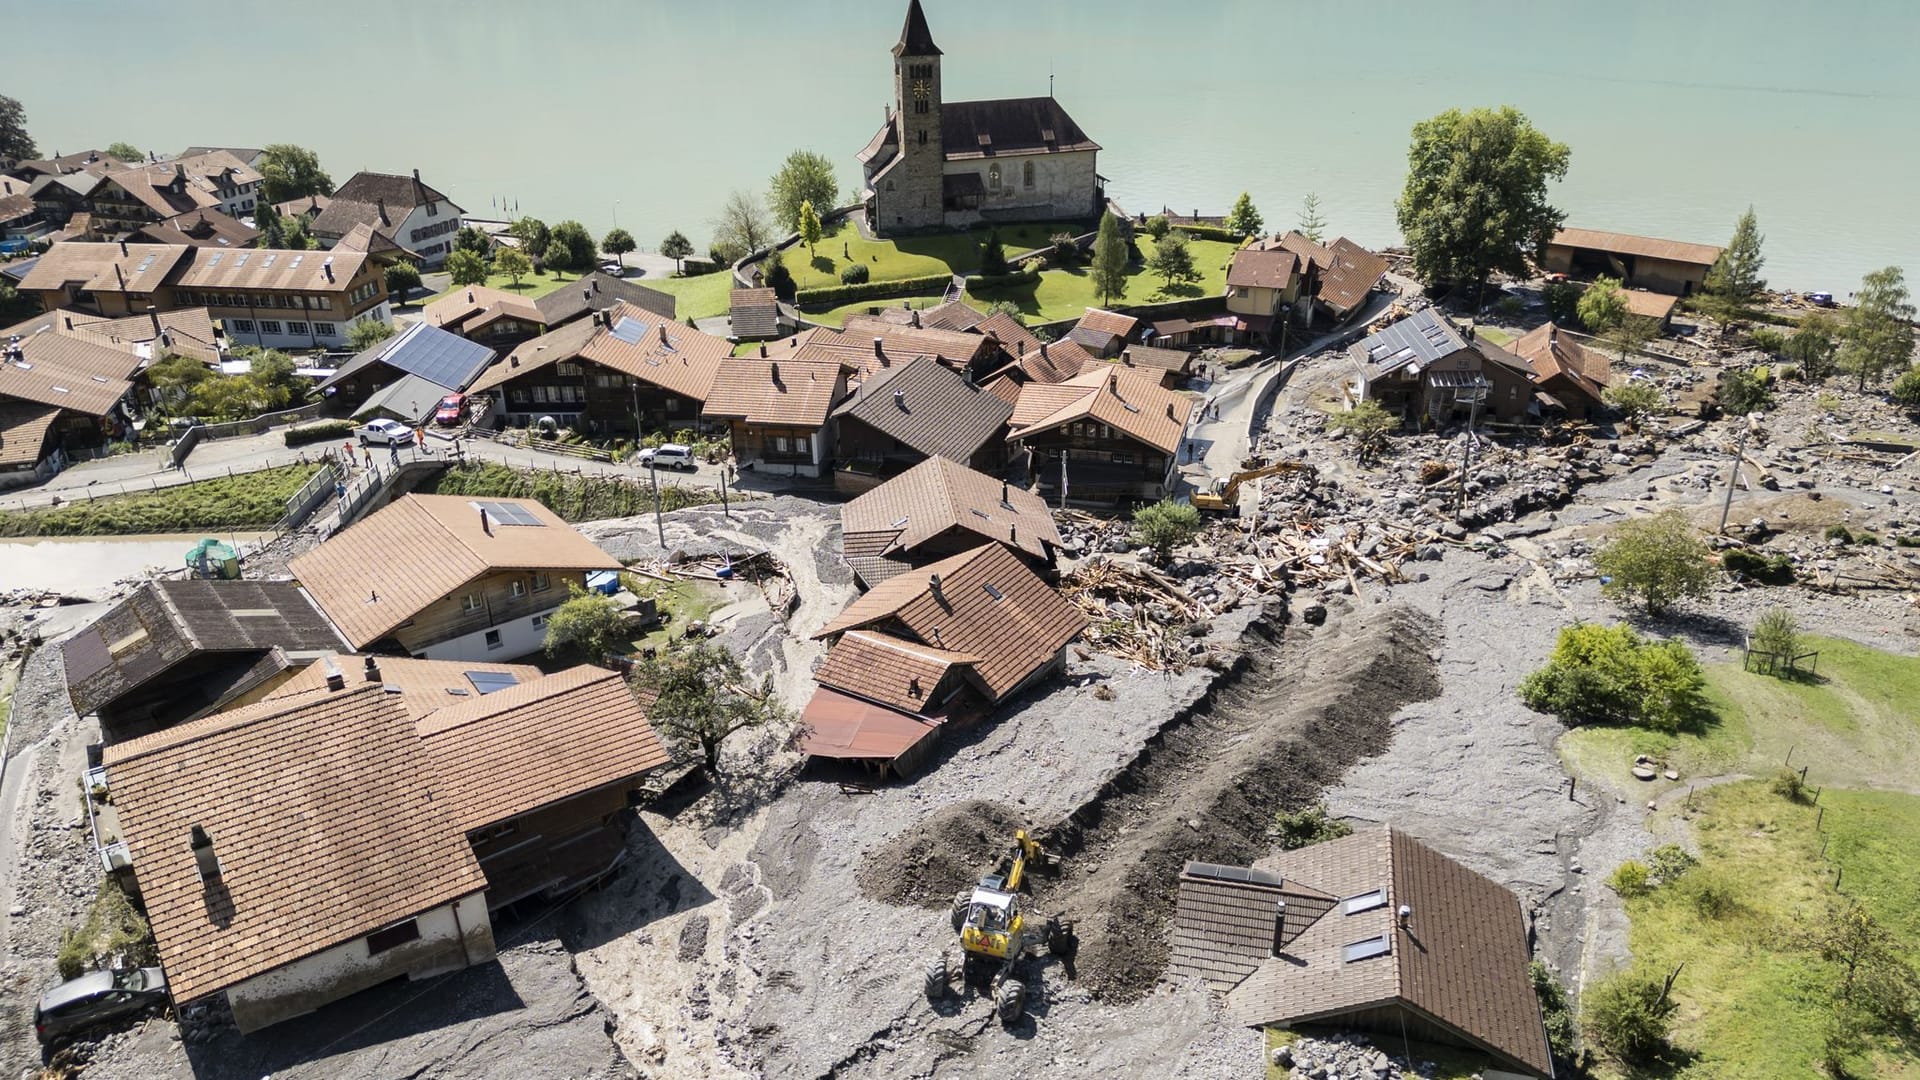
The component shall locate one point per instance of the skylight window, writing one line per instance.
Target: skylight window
(993, 590)
(1367, 949)
(506, 513)
(1366, 901)
(488, 682)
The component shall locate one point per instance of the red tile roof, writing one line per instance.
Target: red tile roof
(1131, 402)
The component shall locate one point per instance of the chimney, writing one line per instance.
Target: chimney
(773, 369)
(1013, 532)
(595, 283)
(153, 314)
(933, 582)
(1003, 494)
(469, 296)
(900, 399)
(381, 203)
(1406, 913)
(372, 670)
(335, 679)
(663, 335)
(203, 857)
(179, 171)
(1126, 357)
(879, 350)
(936, 638)
(1279, 926)
(327, 269)
(123, 249)
(69, 322)
(1469, 331)
(1043, 350)
(763, 350)
(486, 526)
(1113, 384)
(916, 320)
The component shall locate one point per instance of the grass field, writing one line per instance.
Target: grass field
(683, 601)
(911, 256)
(838, 316)
(531, 285)
(255, 500)
(696, 297)
(1856, 724)
(1754, 997)
(1064, 294)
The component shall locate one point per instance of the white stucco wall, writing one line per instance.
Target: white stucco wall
(285, 339)
(326, 976)
(433, 250)
(517, 638)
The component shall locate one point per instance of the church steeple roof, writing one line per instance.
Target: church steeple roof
(915, 38)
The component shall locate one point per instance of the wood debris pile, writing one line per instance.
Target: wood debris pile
(1135, 612)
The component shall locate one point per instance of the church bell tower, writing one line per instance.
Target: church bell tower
(919, 199)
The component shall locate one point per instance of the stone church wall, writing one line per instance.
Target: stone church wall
(1063, 187)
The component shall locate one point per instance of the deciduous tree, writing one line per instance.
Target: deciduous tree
(1165, 525)
(1475, 200)
(617, 242)
(14, 140)
(402, 278)
(1877, 333)
(775, 275)
(292, 172)
(676, 247)
(1109, 267)
(297, 237)
(127, 152)
(1311, 225)
(366, 333)
(1636, 399)
(704, 697)
(1602, 306)
(465, 268)
(514, 263)
(1173, 260)
(1655, 561)
(1628, 1014)
(1812, 343)
(569, 247)
(533, 235)
(993, 255)
(742, 225)
(472, 239)
(1632, 334)
(1369, 424)
(271, 226)
(805, 177)
(588, 625)
(1244, 218)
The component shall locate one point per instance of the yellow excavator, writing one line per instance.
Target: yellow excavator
(1224, 496)
(996, 933)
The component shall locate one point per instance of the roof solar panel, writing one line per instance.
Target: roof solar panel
(438, 356)
(506, 513)
(489, 681)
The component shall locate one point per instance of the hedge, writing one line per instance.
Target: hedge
(1210, 232)
(836, 295)
(1021, 278)
(318, 431)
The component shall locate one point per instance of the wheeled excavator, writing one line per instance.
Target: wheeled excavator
(1224, 496)
(997, 932)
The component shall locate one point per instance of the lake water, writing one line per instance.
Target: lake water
(89, 565)
(646, 113)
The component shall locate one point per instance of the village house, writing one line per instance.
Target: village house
(176, 650)
(406, 375)
(1104, 333)
(304, 208)
(623, 366)
(755, 315)
(1425, 370)
(20, 218)
(31, 169)
(400, 208)
(599, 292)
(940, 508)
(198, 228)
(951, 164)
(1343, 274)
(910, 412)
(493, 317)
(1288, 280)
(1264, 286)
(430, 821)
(440, 577)
(1043, 362)
(946, 643)
(1574, 376)
(266, 297)
(1375, 931)
(1170, 366)
(951, 315)
(215, 180)
(147, 337)
(1640, 262)
(777, 412)
(1110, 435)
(60, 393)
(870, 343)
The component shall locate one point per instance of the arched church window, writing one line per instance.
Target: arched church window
(993, 176)
(1027, 174)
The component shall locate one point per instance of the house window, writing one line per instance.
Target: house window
(393, 937)
(539, 621)
(1363, 950)
(243, 326)
(470, 602)
(517, 588)
(519, 395)
(542, 582)
(540, 395)
(673, 405)
(923, 142)
(993, 176)
(324, 329)
(1026, 174)
(493, 639)
(567, 367)
(269, 326)
(296, 328)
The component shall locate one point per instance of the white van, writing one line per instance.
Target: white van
(669, 456)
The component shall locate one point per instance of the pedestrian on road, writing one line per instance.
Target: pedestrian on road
(364, 450)
(393, 453)
(347, 448)
(420, 437)
(340, 490)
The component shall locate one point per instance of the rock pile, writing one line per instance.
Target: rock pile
(1346, 1056)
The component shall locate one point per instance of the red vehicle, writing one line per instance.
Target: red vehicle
(452, 410)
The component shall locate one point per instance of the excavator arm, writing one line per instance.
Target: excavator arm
(1225, 495)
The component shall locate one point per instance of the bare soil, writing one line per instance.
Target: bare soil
(949, 850)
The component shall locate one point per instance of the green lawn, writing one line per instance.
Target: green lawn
(684, 601)
(912, 256)
(255, 500)
(531, 285)
(1754, 1000)
(696, 297)
(838, 316)
(1855, 724)
(1064, 294)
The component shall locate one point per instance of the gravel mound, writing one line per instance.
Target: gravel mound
(940, 855)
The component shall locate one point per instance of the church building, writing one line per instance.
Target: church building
(938, 164)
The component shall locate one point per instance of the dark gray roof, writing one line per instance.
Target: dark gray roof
(410, 398)
(1423, 337)
(915, 38)
(401, 193)
(166, 622)
(598, 292)
(931, 408)
(435, 355)
(16, 271)
(754, 314)
(974, 129)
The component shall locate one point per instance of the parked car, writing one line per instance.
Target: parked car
(669, 456)
(613, 267)
(452, 410)
(385, 433)
(1820, 299)
(97, 998)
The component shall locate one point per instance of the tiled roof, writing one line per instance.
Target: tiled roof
(267, 268)
(782, 393)
(165, 621)
(1056, 361)
(1649, 305)
(1109, 322)
(515, 750)
(887, 670)
(1646, 247)
(929, 407)
(302, 207)
(161, 190)
(1461, 960)
(400, 191)
(1131, 402)
(462, 307)
(1149, 358)
(754, 314)
(599, 291)
(185, 331)
(1014, 633)
(952, 315)
(1008, 126)
(552, 347)
(1262, 268)
(23, 431)
(143, 268)
(321, 813)
(1014, 338)
(657, 350)
(367, 240)
(1353, 275)
(1223, 927)
(932, 498)
(392, 565)
(898, 343)
(200, 228)
(423, 686)
(836, 725)
(68, 373)
(1555, 355)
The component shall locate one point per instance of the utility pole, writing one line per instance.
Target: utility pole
(659, 520)
(1063, 478)
(1739, 451)
(1466, 455)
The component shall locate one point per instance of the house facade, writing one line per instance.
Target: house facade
(1108, 436)
(1673, 267)
(777, 412)
(420, 219)
(621, 367)
(952, 164)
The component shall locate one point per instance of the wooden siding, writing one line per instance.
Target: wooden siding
(448, 618)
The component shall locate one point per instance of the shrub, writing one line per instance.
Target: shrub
(1711, 896)
(1211, 232)
(1765, 569)
(1655, 561)
(1369, 424)
(112, 933)
(1610, 674)
(1907, 541)
(1838, 532)
(1563, 1034)
(1065, 251)
(1743, 392)
(1631, 879)
(854, 274)
(1510, 306)
(1906, 390)
(1563, 302)
(1670, 862)
(317, 431)
(1769, 340)
(588, 625)
(1306, 826)
(1025, 277)
(1776, 632)
(1165, 525)
(1635, 400)
(1789, 785)
(993, 256)
(836, 295)
(1158, 226)
(1627, 1014)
